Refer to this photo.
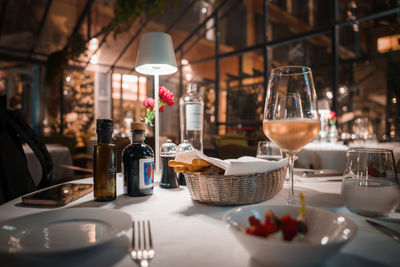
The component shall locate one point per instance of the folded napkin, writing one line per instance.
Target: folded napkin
(240, 166)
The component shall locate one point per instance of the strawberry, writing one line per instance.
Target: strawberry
(270, 227)
(254, 221)
(256, 228)
(261, 230)
(289, 227)
(250, 230)
(271, 222)
(270, 216)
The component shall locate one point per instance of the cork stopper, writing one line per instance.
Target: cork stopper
(104, 129)
(104, 124)
(138, 126)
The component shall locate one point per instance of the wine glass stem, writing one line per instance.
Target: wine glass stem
(291, 182)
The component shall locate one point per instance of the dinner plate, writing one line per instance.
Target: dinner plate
(62, 230)
(310, 175)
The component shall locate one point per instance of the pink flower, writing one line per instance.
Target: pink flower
(332, 115)
(149, 102)
(166, 96)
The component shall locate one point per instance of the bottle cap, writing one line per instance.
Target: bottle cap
(185, 146)
(138, 126)
(104, 124)
(168, 148)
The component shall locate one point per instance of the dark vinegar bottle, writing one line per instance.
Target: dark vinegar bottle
(138, 164)
(105, 163)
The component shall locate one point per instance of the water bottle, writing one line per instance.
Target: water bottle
(191, 107)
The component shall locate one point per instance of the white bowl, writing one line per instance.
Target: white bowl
(327, 233)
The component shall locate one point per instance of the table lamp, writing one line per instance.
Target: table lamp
(156, 57)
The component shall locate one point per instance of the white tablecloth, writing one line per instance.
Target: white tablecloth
(322, 156)
(59, 155)
(187, 233)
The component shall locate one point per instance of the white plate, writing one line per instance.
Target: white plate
(310, 175)
(62, 230)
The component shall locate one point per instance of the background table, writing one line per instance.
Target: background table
(59, 155)
(187, 233)
(333, 155)
(322, 156)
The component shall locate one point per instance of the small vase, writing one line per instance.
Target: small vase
(333, 134)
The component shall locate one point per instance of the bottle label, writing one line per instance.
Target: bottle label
(193, 118)
(146, 173)
(125, 186)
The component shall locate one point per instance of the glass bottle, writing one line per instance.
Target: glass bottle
(183, 147)
(105, 162)
(191, 108)
(138, 164)
(169, 178)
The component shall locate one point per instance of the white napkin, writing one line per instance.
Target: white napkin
(240, 166)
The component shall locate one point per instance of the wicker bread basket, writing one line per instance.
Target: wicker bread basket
(231, 190)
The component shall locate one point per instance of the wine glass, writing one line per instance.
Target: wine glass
(370, 186)
(291, 115)
(269, 151)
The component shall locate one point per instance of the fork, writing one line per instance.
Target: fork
(142, 245)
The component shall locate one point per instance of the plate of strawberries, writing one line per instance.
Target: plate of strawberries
(290, 235)
(285, 227)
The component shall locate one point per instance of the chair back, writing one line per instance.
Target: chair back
(15, 179)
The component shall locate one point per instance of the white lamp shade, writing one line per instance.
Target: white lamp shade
(156, 54)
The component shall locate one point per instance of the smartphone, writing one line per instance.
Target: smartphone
(58, 195)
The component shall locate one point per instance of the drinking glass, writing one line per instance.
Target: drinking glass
(370, 186)
(291, 115)
(361, 128)
(269, 151)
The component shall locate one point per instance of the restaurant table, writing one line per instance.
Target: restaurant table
(188, 233)
(59, 155)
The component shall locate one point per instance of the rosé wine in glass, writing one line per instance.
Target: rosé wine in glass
(291, 113)
(291, 135)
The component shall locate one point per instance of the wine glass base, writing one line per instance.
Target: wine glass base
(291, 202)
(286, 184)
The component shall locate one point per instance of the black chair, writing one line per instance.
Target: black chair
(15, 179)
